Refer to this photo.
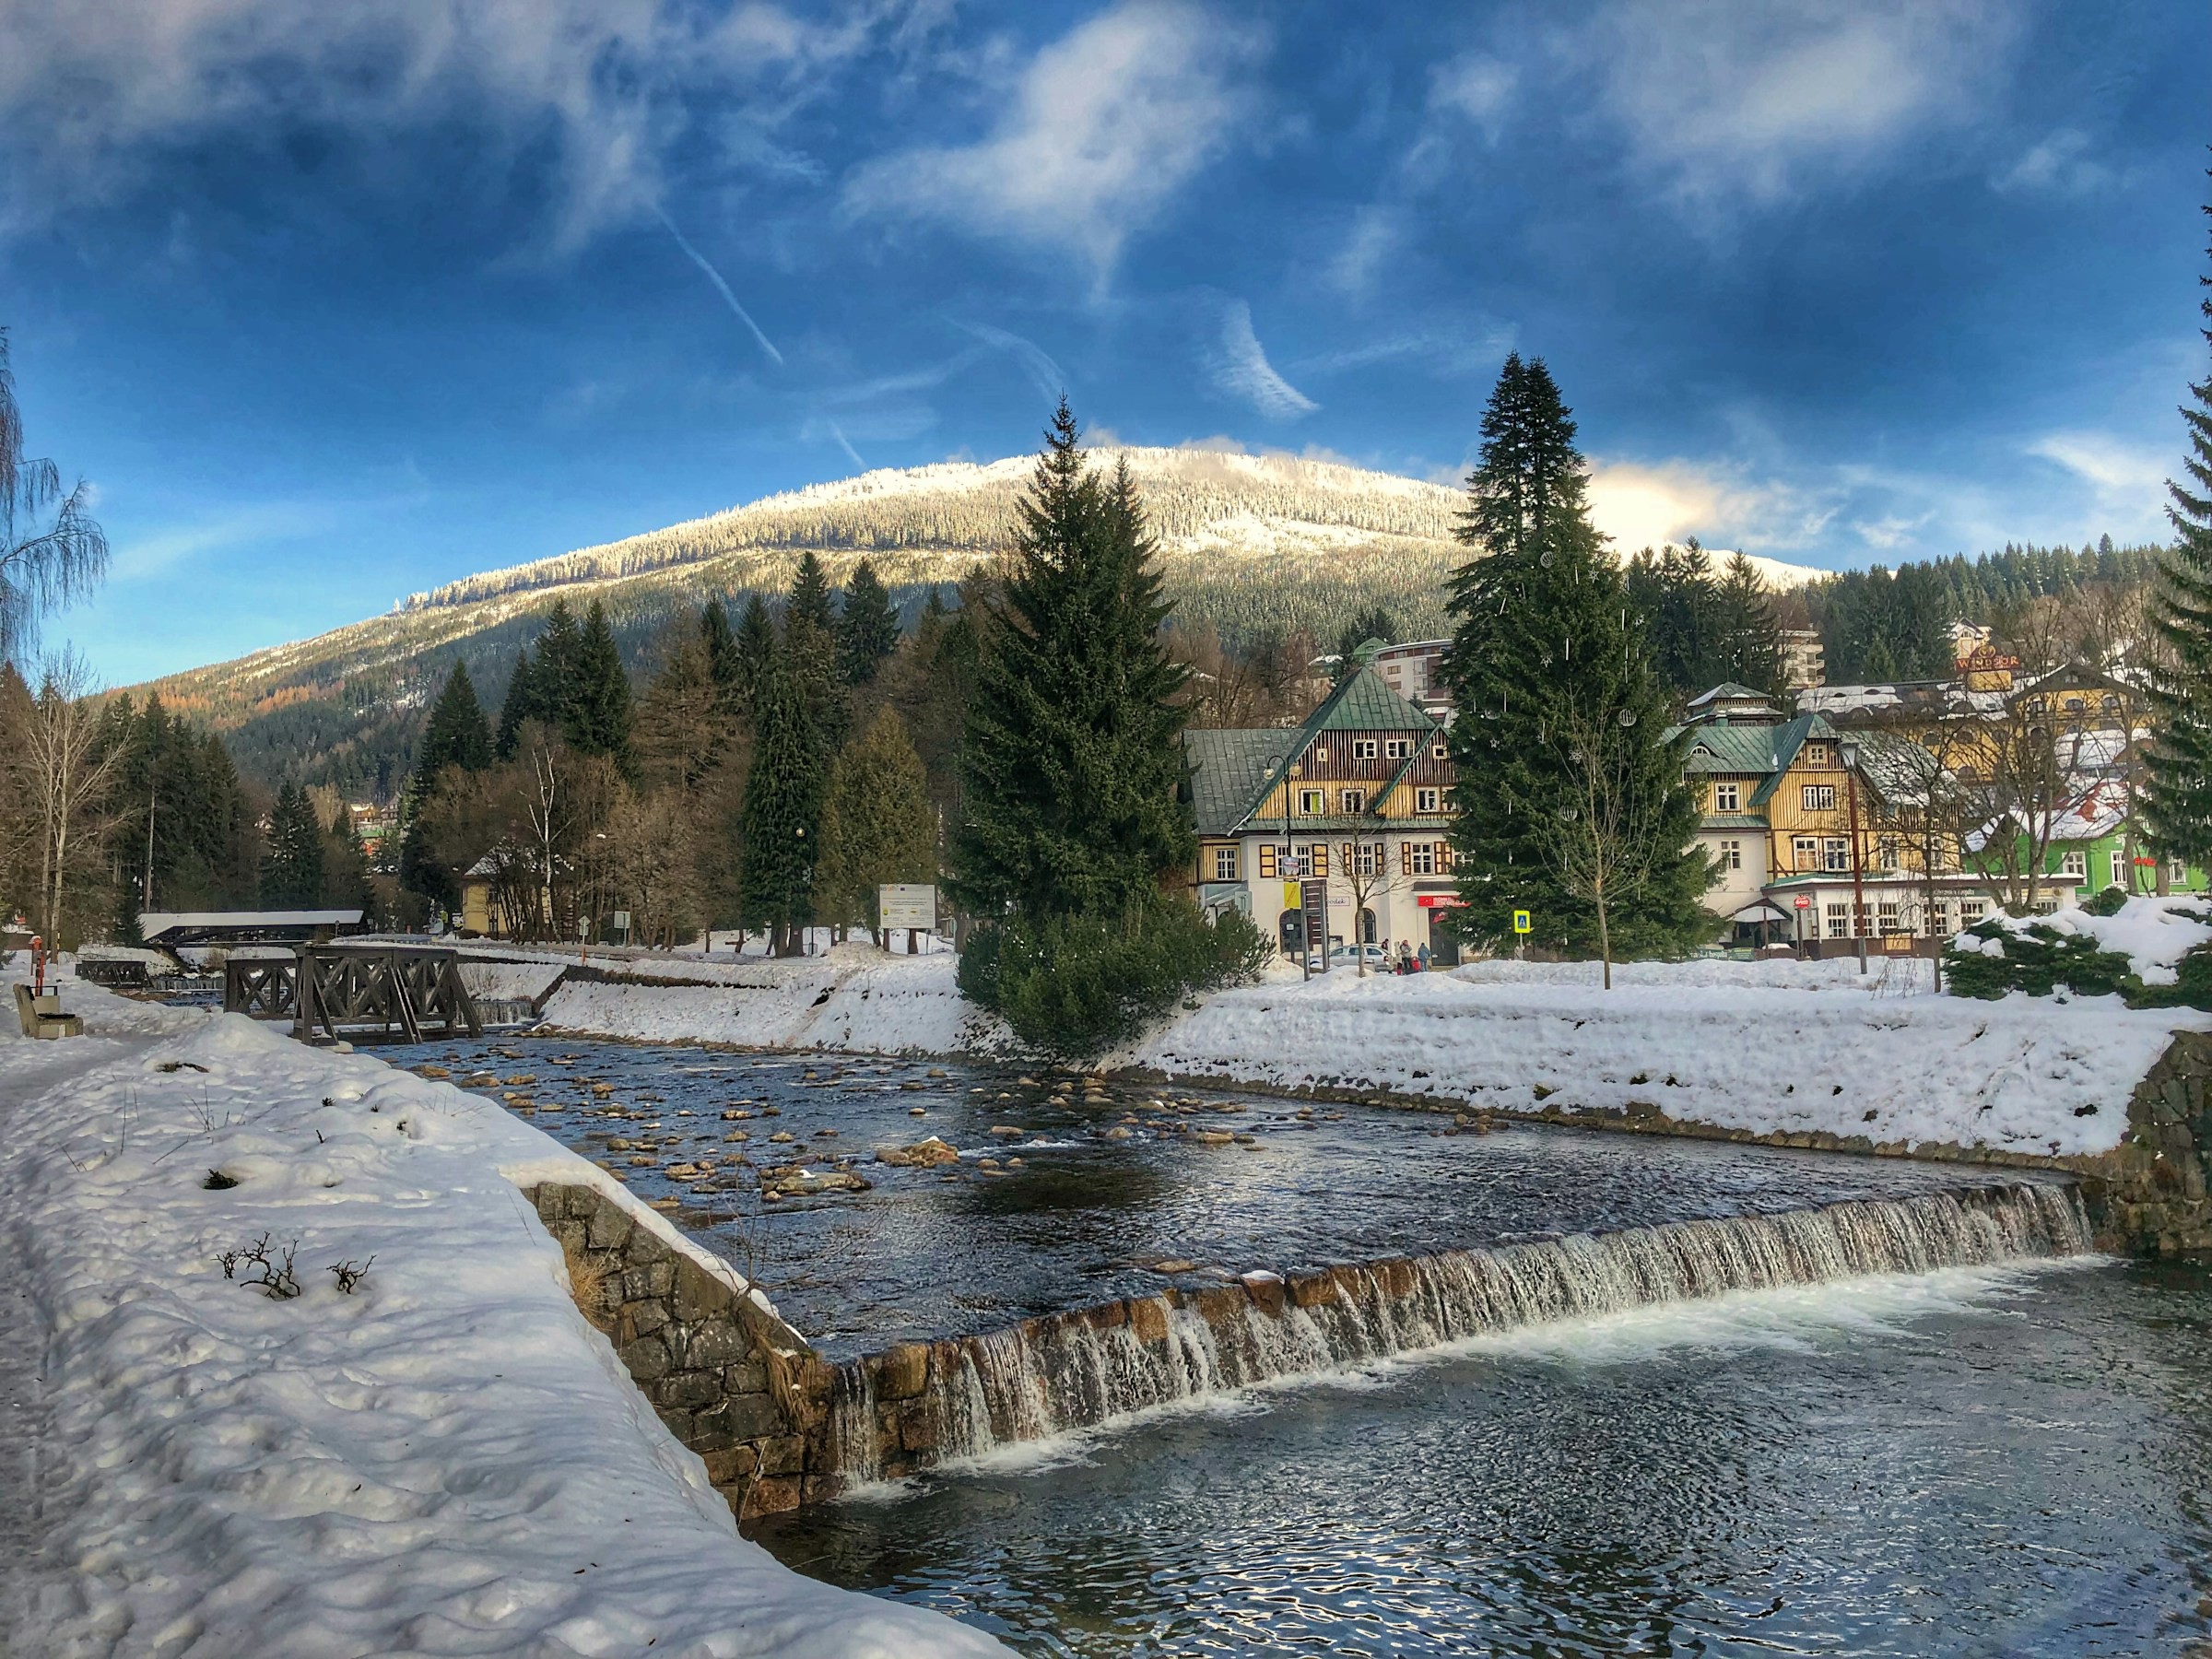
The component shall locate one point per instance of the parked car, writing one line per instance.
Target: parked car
(1345, 956)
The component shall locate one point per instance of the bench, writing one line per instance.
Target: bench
(43, 1015)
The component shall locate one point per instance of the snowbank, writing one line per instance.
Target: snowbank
(2022, 1074)
(2153, 933)
(449, 1460)
(508, 982)
(1884, 976)
(855, 997)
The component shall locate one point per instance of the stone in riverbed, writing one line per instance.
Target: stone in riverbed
(922, 1155)
(1007, 1131)
(1174, 1264)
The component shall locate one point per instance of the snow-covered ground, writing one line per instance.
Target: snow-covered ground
(1884, 976)
(2022, 1074)
(855, 997)
(448, 1461)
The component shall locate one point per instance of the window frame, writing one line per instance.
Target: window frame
(1817, 797)
(1727, 797)
(1428, 797)
(1352, 801)
(1228, 866)
(1364, 749)
(1313, 803)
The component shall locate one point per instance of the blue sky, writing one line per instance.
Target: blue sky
(333, 304)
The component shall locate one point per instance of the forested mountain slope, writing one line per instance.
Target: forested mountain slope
(1249, 544)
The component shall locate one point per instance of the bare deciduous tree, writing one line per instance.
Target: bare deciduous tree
(62, 772)
(50, 549)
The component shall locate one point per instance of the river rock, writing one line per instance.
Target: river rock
(1007, 1132)
(433, 1071)
(801, 1183)
(1117, 1132)
(922, 1155)
(1213, 1138)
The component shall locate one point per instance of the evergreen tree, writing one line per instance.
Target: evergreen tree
(556, 672)
(599, 722)
(1747, 639)
(1374, 623)
(682, 727)
(867, 628)
(1070, 762)
(877, 823)
(520, 705)
(291, 877)
(755, 647)
(721, 646)
(2176, 800)
(782, 818)
(808, 603)
(1572, 804)
(456, 734)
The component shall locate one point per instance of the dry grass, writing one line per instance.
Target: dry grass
(590, 1283)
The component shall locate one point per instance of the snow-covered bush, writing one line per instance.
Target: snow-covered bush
(2154, 952)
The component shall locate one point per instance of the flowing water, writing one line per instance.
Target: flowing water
(1784, 1403)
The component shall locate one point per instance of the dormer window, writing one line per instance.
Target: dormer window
(1815, 753)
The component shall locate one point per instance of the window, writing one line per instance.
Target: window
(1886, 918)
(1731, 855)
(2119, 864)
(1355, 800)
(1436, 750)
(1311, 803)
(1396, 749)
(2177, 870)
(1363, 858)
(1819, 797)
(1885, 853)
(1419, 858)
(1805, 853)
(1971, 911)
(1320, 757)
(1835, 853)
(1268, 869)
(1225, 863)
(1815, 753)
(1839, 921)
(2074, 862)
(1727, 797)
(1428, 800)
(1363, 749)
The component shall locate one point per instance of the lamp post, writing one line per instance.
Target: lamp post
(1858, 883)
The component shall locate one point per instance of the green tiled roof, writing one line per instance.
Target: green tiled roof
(1788, 739)
(1730, 748)
(1731, 820)
(1230, 776)
(1228, 771)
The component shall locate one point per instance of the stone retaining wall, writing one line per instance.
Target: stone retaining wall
(733, 1382)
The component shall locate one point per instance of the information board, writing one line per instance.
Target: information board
(907, 904)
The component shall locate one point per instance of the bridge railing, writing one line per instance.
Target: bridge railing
(335, 990)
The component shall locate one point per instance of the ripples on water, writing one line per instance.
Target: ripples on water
(1971, 1463)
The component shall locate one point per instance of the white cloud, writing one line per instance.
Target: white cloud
(1477, 348)
(1727, 101)
(2126, 482)
(93, 94)
(2058, 166)
(1478, 87)
(1376, 233)
(139, 556)
(1102, 129)
(1643, 504)
(1238, 368)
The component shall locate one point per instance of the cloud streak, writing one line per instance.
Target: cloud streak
(720, 286)
(1238, 368)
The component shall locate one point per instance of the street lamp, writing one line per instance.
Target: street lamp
(1858, 885)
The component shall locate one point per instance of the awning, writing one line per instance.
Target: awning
(1753, 914)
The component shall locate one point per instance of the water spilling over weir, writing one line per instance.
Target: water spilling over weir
(923, 1404)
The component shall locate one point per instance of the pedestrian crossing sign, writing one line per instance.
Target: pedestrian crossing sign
(1520, 922)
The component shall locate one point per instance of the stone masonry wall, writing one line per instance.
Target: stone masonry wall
(2151, 1196)
(732, 1383)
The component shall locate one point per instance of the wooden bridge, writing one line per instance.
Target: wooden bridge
(402, 993)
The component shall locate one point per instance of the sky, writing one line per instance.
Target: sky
(333, 304)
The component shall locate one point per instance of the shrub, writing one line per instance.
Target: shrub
(2107, 903)
(1075, 986)
(2037, 960)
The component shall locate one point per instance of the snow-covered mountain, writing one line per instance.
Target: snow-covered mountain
(1248, 542)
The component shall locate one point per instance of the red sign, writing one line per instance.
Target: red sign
(1438, 900)
(1802, 902)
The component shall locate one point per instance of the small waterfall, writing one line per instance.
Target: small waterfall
(1076, 1369)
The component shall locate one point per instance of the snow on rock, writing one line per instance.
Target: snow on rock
(2022, 1074)
(855, 998)
(449, 1460)
(2155, 934)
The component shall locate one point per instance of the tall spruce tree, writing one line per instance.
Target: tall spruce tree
(2176, 798)
(557, 671)
(781, 817)
(456, 735)
(1571, 804)
(755, 647)
(1374, 623)
(520, 706)
(1070, 761)
(867, 627)
(291, 877)
(599, 723)
(807, 651)
(809, 600)
(720, 645)
(1747, 637)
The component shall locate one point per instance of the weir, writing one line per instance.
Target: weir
(921, 1404)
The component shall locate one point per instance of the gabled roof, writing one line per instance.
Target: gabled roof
(1728, 691)
(1230, 775)
(1730, 748)
(1788, 739)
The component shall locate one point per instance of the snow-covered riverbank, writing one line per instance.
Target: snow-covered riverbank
(446, 1461)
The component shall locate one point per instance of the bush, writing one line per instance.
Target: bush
(1075, 986)
(2107, 903)
(2038, 960)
